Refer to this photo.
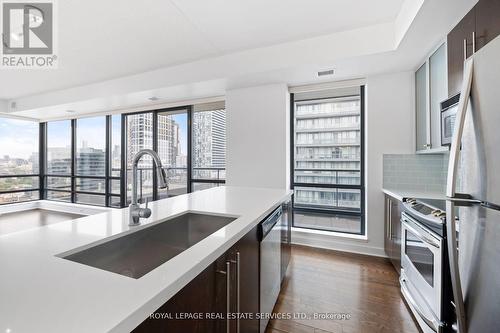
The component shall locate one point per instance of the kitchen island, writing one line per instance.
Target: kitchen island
(40, 291)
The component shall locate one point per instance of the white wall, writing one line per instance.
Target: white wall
(258, 136)
(389, 129)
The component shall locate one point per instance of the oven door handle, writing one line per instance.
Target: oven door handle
(433, 323)
(419, 235)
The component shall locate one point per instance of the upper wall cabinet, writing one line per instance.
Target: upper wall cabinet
(478, 27)
(421, 102)
(431, 88)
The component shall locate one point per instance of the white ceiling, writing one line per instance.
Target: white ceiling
(102, 40)
(232, 25)
(187, 49)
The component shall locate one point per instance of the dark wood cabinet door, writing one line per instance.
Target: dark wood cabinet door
(198, 296)
(224, 285)
(215, 291)
(456, 55)
(487, 21)
(249, 250)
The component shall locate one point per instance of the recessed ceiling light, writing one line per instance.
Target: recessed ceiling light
(154, 98)
(327, 72)
(70, 111)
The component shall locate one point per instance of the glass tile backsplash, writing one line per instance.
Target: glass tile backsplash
(415, 172)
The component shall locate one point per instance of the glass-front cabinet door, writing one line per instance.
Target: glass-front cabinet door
(421, 103)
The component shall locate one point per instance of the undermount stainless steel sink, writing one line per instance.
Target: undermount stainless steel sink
(138, 253)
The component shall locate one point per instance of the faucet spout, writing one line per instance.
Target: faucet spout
(135, 212)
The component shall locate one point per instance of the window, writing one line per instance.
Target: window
(327, 150)
(59, 148)
(172, 149)
(182, 136)
(79, 161)
(90, 160)
(83, 158)
(58, 161)
(115, 156)
(208, 145)
(91, 146)
(139, 134)
(19, 160)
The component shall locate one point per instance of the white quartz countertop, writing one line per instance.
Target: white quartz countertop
(41, 292)
(401, 194)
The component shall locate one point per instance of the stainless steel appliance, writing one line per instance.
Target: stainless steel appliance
(448, 114)
(475, 162)
(286, 237)
(270, 264)
(424, 275)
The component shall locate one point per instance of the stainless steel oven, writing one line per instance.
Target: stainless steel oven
(421, 272)
(449, 109)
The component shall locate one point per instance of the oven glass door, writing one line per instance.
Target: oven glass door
(420, 256)
(421, 260)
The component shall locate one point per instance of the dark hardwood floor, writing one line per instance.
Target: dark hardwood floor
(324, 281)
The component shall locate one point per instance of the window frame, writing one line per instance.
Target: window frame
(360, 187)
(215, 182)
(73, 176)
(108, 177)
(34, 175)
(190, 180)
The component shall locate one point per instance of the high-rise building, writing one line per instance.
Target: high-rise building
(328, 151)
(90, 162)
(59, 160)
(209, 142)
(140, 136)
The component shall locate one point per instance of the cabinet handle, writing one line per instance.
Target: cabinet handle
(237, 262)
(473, 42)
(390, 219)
(227, 273)
(465, 49)
(228, 296)
(387, 217)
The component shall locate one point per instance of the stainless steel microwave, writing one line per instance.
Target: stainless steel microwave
(448, 113)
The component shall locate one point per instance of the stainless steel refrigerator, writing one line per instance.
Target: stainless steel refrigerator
(474, 190)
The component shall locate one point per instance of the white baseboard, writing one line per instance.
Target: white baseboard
(352, 245)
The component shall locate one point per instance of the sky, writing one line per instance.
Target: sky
(18, 138)
(181, 119)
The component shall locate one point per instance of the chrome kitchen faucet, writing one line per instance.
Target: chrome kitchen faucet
(135, 211)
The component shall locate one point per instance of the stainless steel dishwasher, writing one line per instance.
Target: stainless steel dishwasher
(270, 264)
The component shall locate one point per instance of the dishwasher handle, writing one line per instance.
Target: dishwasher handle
(268, 224)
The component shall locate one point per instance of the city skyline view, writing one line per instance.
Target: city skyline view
(327, 159)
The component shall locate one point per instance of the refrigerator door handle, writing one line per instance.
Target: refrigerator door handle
(456, 140)
(456, 282)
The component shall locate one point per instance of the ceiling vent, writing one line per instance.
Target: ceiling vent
(327, 72)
